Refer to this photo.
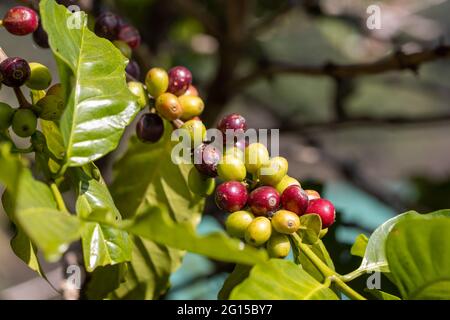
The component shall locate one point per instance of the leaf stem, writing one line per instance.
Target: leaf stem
(352, 275)
(58, 197)
(346, 289)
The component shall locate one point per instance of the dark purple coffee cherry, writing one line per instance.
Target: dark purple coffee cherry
(232, 121)
(150, 128)
(14, 71)
(206, 158)
(180, 78)
(40, 37)
(107, 26)
(130, 35)
(295, 199)
(21, 21)
(264, 200)
(231, 196)
(133, 69)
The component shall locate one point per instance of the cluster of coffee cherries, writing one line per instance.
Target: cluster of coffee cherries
(264, 203)
(16, 72)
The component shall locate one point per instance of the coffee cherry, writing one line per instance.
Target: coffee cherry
(51, 107)
(256, 155)
(231, 168)
(21, 21)
(232, 121)
(196, 132)
(124, 48)
(56, 90)
(237, 223)
(258, 231)
(200, 184)
(191, 91)
(150, 128)
(235, 152)
(15, 72)
(231, 196)
(157, 81)
(325, 209)
(192, 106)
(278, 246)
(286, 222)
(168, 106)
(312, 194)
(180, 78)
(264, 200)
(241, 144)
(130, 35)
(295, 199)
(40, 77)
(38, 141)
(40, 37)
(286, 182)
(107, 26)
(6, 115)
(133, 69)
(272, 172)
(206, 159)
(24, 123)
(138, 90)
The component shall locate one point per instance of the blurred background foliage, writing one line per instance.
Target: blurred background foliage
(396, 157)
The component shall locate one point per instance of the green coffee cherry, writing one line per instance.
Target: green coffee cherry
(274, 171)
(258, 231)
(200, 184)
(278, 246)
(192, 106)
(6, 115)
(51, 108)
(138, 90)
(285, 182)
(256, 155)
(286, 222)
(24, 123)
(196, 130)
(157, 81)
(40, 77)
(235, 152)
(56, 90)
(237, 223)
(124, 48)
(231, 169)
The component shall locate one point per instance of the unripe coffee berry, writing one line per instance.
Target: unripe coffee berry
(6, 115)
(56, 90)
(15, 72)
(196, 132)
(274, 171)
(124, 48)
(206, 159)
(21, 21)
(237, 223)
(150, 128)
(40, 77)
(130, 35)
(107, 25)
(231, 196)
(258, 231)
(264, 200)
(235, 152)
(24, 123)
(256, 155)
(325, 209)
(139, 91)
(285, 222)
(199, 184)
(192, 106)
(231, 168)
(51, 107)
(312, 194)
(191, 91)
(278, 246)
(168, 106)
(286, 182)
(157, 81)
(295, 199)
(180, 78)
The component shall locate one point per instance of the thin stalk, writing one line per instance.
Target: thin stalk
(58, 197)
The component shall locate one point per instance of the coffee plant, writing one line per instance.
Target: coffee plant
(135, 232)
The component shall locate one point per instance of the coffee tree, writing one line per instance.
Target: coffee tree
(135, 232)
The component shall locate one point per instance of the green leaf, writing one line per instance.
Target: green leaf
(239, 274)
(104, 280)
(55, 142)
(157, 226)
(281, 280)
(359, 246)
(311, 225)
(92, 72)
(418, 253)
(381, 295)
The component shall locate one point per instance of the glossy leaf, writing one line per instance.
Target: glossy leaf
(104, 280)
(381, 295)
(417, 250)
(99, 104)
(281, 280)
(311, 225)
(359, 246)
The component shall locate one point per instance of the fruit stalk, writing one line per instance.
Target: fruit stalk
(58, 197)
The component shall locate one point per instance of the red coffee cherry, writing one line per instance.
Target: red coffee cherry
(130, 35)
(295, 199)
(180, 78)
(232, 121)
(231, 196)
(312, 194)
(264, 200)
(14, 71)
(21, 21)
(325, 209)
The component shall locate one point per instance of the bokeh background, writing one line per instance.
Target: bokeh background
(375, 145)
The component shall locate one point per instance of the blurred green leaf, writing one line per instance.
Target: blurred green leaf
(381, 295)
(239, 274)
